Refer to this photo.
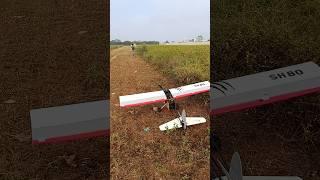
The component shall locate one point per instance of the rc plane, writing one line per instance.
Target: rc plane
(70, 122)
(90, 119)
(168, 97)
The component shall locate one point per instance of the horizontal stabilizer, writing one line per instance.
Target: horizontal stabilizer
(265, 87)
(176, 123)
(70, 122)
(159, 96)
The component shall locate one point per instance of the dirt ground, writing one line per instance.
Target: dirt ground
(137, 153)
(268, 146)
(52, 53)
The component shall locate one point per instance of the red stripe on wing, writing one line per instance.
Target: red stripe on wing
(73, 137)
(251, 104)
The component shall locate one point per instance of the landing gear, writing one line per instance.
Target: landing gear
(170, 102)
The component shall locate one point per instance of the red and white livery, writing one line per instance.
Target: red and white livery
(160, 96)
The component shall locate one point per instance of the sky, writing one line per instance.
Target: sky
(159, 20)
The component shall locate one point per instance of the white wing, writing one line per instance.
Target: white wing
(70, 122)
(265, 87)
(159, 96)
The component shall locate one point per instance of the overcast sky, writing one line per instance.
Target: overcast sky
(161, 20)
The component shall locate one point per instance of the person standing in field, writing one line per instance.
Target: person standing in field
(133, 47)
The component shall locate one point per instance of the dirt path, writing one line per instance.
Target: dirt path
(136, 153)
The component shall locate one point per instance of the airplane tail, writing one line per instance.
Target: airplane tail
(182, 122)
(235, 171)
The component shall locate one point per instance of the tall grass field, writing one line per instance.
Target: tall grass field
(184, 63)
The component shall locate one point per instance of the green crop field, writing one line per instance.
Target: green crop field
(184, 63)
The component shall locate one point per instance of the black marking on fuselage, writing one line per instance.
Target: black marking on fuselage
(228, 84)
(215, 87)
(286, 74)
(220, 85)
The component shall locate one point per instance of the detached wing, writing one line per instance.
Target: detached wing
(159, 96)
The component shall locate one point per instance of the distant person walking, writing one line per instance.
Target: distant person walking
(133, 47)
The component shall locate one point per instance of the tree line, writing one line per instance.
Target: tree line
(119, 42)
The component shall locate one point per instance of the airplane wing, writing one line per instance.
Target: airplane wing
(265, 87)
(159, 96)
(70, 122)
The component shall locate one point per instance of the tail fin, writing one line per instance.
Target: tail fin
(235, 171)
